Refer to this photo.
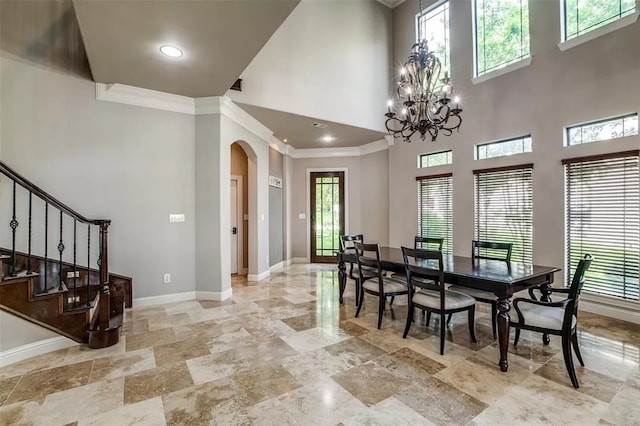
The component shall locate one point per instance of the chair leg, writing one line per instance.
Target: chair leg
(360, 299)
(568, 360)
(357, 291)
(428, 318)
(576, 348)
(409, 321)
(382, 301)
(472, 318)
(515, 341)
(391, 301)
(449, 319)
(494, 318)
(442, 329)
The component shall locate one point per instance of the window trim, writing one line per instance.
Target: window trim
(475, 78)
(595, 33)
(424, 12)
(419, 180)
(598, 121)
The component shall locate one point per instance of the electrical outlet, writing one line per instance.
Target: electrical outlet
(71, 299)
(70, 274)
(167, 278)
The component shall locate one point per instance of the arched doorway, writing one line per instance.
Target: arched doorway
(239, 211)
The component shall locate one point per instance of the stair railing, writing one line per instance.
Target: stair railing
(102, 226)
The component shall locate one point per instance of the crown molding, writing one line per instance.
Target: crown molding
(224, 105)
(130, 95)
(391, 3)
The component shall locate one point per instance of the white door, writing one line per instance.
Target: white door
(234, 226)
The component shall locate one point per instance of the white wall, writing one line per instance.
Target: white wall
(329, 60)
(106, 160)
(17, 332)
(598, 79)
(367, 196)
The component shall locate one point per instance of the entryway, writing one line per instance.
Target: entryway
(327, 214)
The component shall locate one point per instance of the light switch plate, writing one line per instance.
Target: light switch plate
(176, 218)
(302, 216)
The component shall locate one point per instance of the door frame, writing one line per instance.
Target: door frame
(239, 220)
(308, 208)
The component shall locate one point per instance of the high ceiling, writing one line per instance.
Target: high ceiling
(219, 39)
(300, 134)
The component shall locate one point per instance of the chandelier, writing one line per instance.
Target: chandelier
(425, 98)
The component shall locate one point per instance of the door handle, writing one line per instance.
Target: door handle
(234, 230)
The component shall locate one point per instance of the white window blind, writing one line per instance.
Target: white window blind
(435, 211)
(503, 208)
(603, 219)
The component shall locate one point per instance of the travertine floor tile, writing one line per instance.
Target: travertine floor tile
(151, 338)
(371, 383)
(181, 350)
(146, 413)
(216, 366)
(6, 386)
(311, 339)
(354, 351)
(262, 383)
(157, 382)
(122, 365)
(390, 412)
(20, 413)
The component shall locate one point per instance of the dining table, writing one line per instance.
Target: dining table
(502, 278)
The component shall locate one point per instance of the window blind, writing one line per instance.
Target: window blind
(602, 218)
(503, 208)
(435, 208)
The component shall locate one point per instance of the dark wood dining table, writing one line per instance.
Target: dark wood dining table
(502, 278)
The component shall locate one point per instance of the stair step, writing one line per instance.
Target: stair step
(52, 292)
(20, 275)
(4, 257)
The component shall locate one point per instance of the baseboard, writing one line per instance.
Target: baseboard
(299, 260)
(40, 347)
(259, 277)
(214, 295)
(276, 267)
(165, 298)
(610, 311)
(288, 262)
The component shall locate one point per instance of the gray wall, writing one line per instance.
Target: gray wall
(276, 209)
(367, 198)
(598, 79)
(132, 165)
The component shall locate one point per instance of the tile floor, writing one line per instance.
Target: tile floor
(284, 352)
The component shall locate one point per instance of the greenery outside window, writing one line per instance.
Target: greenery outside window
(501, 33)
(602, 130)
(583, 16)
(435, 159)
(435, 208)
(503, 148)
(602, 212)
(433, 25)
(504, 208)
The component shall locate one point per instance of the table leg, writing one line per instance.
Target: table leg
(342, 277)
(503, 331)
(545, 289)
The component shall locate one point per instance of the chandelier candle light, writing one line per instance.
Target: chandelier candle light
(427, 106)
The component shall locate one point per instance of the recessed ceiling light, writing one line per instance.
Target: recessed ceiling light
(284, 140)
(328, 138)
(170, 51)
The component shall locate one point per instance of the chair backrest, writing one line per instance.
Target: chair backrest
(577, 282)
(491, 250)
(368, 255)
(347, 242)
(426, 243)
(424, 269)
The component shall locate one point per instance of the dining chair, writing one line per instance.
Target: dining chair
(347, 246)
(372, 278)
(559, 318)
(492, 251)
(426, 291)
(428, 243)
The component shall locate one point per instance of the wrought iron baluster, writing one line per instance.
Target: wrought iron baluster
(46, 244)
(75, 266)
(60, 250)
(13, 224)
(29, 272)
(88, 265)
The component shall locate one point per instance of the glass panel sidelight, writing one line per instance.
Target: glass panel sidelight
(327, 205)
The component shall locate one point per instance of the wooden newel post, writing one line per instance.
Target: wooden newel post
(104, 256)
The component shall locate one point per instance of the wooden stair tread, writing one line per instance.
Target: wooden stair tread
(52, 292)
(4, 257)
(20, 275)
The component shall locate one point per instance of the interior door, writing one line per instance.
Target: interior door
(234, 226)
(327, 215)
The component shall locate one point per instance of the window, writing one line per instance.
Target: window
(582, 16)
(602, 130)
(433, 26)
(502, 148)
(435, 211)
(435, 159)
(602, 219)
(503, 208)
(501, 33)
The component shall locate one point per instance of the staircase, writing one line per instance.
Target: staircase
(72, 292)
